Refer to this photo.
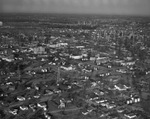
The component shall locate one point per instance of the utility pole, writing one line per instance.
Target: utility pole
(58, 73)
(19, 74)
(58, 68)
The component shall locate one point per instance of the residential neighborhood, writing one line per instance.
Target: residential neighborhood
(85, 68)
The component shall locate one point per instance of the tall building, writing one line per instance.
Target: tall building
(1, 23)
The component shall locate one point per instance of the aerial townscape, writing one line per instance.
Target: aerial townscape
(63, 66)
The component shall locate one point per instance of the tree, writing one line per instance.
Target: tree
(139, 75)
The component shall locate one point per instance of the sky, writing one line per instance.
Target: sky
(121, 7)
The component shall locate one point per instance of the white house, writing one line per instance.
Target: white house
(76, 57)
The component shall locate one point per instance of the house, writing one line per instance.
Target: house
(76, 57)
(130, 116)
(67, 68)
(121, 88)
(92, 58)
(23, 108)
(39, 50)
(8, 59)
(101, 60)
(80, 47)
(57, 45)
(127, 63)
(121, 70)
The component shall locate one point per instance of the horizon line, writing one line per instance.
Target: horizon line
(66, 13)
